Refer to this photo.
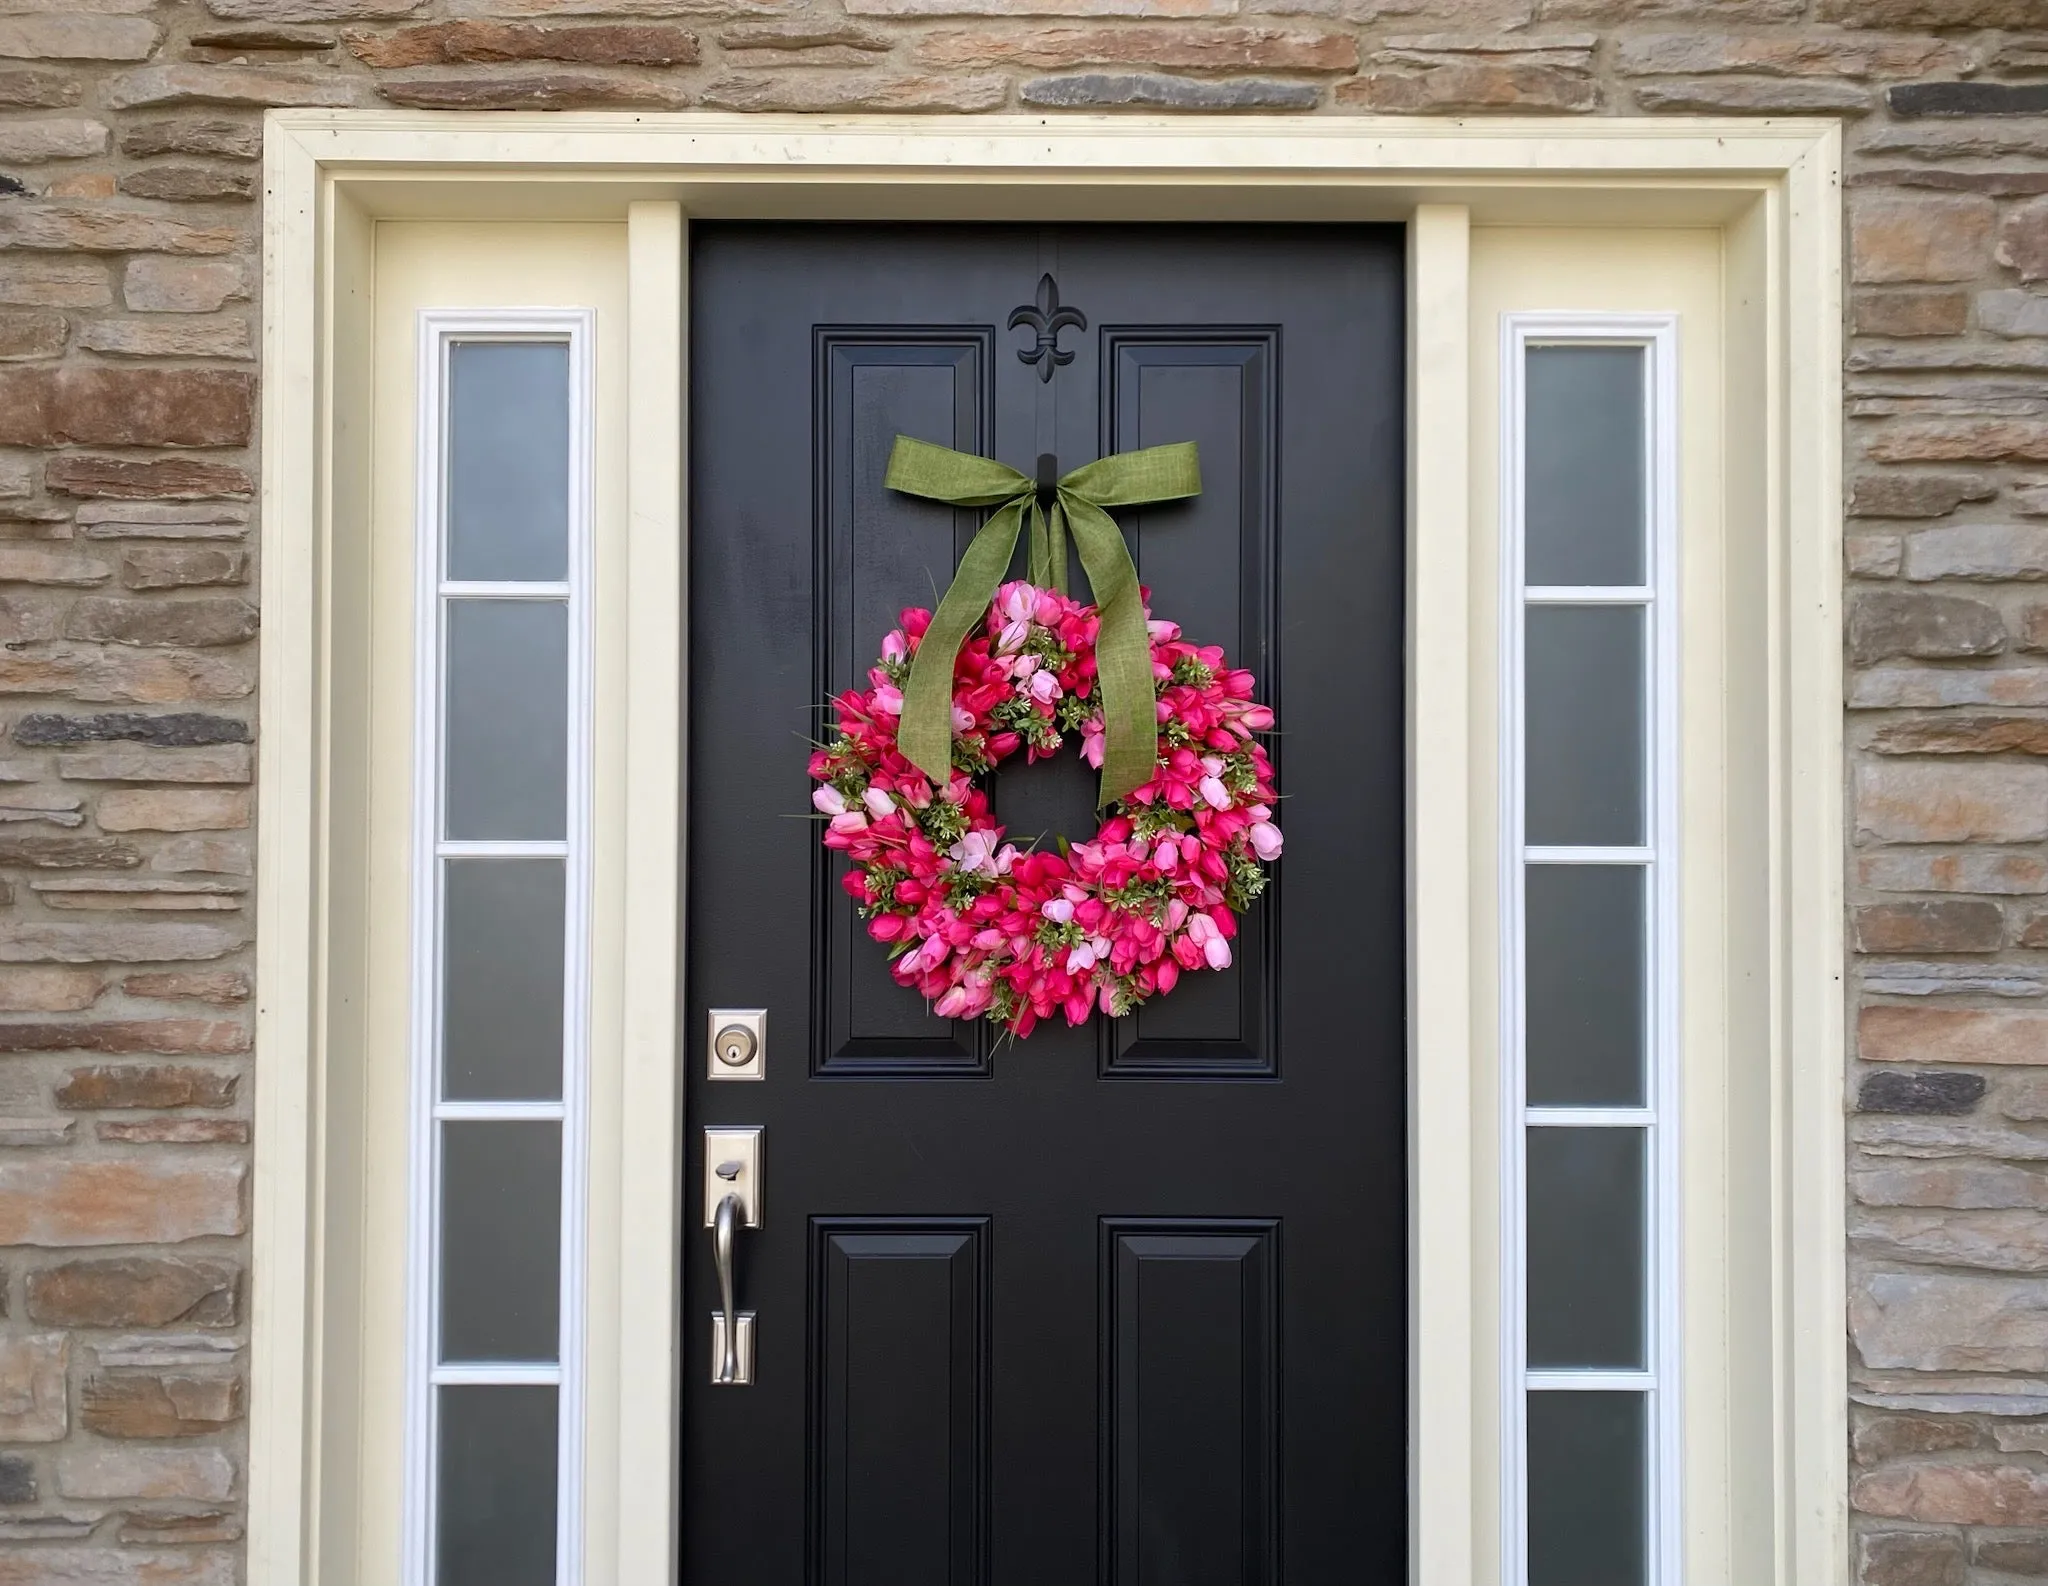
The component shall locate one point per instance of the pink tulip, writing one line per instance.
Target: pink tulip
(1058, 910)
(852, 821)
(1045, 688)
(952, 1004)
(889, 701)
(879, 804)
(895, 648)
(1265, 840)
(963, 718)
(1257, 717)
(1013, 636)
(1018, 602)
(828, 801)
(1214, 792)
(1081, 959)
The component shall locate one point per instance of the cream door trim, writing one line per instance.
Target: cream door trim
(1772, 187)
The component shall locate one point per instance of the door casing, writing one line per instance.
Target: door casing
(1772, 188)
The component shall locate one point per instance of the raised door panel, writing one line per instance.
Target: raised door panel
(877, 551)
(899, 1457)
(1190, 1402)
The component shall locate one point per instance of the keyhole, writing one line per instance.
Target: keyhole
(735, 1046)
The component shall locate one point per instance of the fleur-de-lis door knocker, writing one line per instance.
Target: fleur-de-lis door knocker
(1048, 319)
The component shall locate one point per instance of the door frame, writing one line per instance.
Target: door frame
(1771, 186)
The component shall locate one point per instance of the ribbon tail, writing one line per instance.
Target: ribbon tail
(1123, 654)
(926, 736)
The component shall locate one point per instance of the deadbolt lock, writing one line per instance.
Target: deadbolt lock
(736, 1042)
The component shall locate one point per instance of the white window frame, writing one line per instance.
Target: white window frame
(440, 330)
(1769, 186)
(1659, 597)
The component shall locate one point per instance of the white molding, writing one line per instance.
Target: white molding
(329, 175)
(1659, 600)
(438, 330)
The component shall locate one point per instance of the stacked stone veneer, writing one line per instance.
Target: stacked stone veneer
(129, 136)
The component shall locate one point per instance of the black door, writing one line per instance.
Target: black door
(1120, 1304)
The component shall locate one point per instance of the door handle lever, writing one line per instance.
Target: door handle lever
(726, 1327)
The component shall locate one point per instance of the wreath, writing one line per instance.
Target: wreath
(981, 927)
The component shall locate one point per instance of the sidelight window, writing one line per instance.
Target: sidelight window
(1588, 954)
(501, 886)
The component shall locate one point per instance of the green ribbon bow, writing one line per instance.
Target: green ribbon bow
(1123, 650)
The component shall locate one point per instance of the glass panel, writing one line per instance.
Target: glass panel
(501, 1013)
(1586, 985)
(508, 460)
(1583, 473)
(1584, 725)
(507, 729)
(1586, 1248)
(501, 1240)
(496, 1520)
(1588, 1489)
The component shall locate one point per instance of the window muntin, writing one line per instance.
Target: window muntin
(501, 902)
(1589, 950)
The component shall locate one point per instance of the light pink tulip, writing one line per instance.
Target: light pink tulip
(879, 804)
(828, 800)
(1058, 910)
(889, 701)
(1214, 792)
(852, 821)
(1265, 840)
(895, 647)
(1045, 688)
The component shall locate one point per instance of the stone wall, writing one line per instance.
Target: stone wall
(129, 136)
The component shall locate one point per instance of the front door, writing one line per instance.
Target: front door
(1123, 1303)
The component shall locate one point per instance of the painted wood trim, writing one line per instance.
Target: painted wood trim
(363, 162)
(1443, 1524)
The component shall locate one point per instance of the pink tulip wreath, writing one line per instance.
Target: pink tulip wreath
(981, 928)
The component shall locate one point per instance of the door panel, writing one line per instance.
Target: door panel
(1121, 1303)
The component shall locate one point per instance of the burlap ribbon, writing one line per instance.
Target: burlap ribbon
(1123, 651)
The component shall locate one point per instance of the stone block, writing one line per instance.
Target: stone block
(136, 1086)
(173, 1131)
(163, 624)
(34, 1392)
(146, 479)
(97, 1566)
(152, 892)
(175, 730)
(212, 985)
(1897, 237)
(83, 228)
(1755, 96)
(1955, 925)
(1977, 551)
(2012, 1555)
(35, 564)
(1967, 99)
(143, 338)
(54, 283)
(476, 41)
(68, 138)
(64, 1202)
(1909, 1558)
(128, 1037)
(1992, 1241)
(49, 990)
(1878, 1438)
(1160, 46)
(1987, 1186)
(195, 1475)
(136, 1291)
(229, 139)
(159, 1404)
(173, 810)
(1932, 1321)
(1938, 978)
(17, 1479)
(534, 91)
(229, 763)
(184, 567)
(1472, 86)
(232, 85)
(1159, 91)
(87, 405)
(1910, 313)
(76, 36)
(1872, 555)
(44, 942)
(182, 286)
(1906, 1091)
(2013, 313)
(1973, 734)
(1977, 1037)
(28, 334)
(2023, 235)
(1919, 803)
(190, 184)
(861, 91)
(1987, 440)
(1930, 627)
(68, 853)
(1898, 688)
(1976, 1494)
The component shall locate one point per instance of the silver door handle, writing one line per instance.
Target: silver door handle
(724, 1230)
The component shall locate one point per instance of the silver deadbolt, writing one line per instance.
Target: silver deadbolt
(736, 1044)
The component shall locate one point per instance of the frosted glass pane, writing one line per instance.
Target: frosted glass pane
(501, 1240)
(1586, 1252)
(1584, 514)
(1588, 1489)
(495, 1521)
(508, 460)
(507, 728)
(1587, 982)
(1583, 725)
(501, 945)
